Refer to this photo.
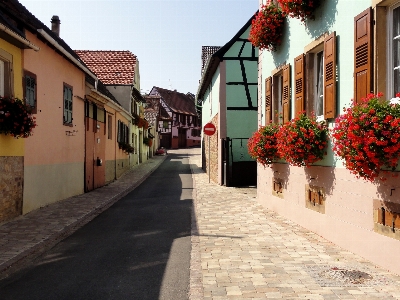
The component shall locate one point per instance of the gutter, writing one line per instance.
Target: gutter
(18, 37)
(66, 53)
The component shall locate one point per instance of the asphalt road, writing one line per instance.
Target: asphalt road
(137, 249)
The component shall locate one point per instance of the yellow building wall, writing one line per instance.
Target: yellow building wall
(9, 146)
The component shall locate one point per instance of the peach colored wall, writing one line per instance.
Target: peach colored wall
(348, 219)
(50, 144)
(53, 153)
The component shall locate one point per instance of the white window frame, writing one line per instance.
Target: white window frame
(316, 82)
(390, 77)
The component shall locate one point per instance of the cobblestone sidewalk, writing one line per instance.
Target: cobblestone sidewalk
(242, 251)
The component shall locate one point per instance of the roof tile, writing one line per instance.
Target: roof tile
(112, 67)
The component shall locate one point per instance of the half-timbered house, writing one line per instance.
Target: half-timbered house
(228, 96)
(178, 125)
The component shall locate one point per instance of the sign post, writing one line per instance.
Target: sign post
(209, 129)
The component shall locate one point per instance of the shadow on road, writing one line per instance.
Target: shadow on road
(137, 249)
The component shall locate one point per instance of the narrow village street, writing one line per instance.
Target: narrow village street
(154, 244)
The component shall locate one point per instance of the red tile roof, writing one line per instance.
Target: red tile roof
(112, 67)
(178, 102)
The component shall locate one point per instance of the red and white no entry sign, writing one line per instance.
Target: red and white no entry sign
(209, 129)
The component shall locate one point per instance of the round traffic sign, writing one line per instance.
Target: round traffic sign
(209, 129)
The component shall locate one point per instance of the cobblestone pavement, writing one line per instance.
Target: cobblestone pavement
(29, 235)
(242, 251)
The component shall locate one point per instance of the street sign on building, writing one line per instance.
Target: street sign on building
(209, 129)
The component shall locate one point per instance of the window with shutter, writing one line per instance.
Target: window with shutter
(300, 89)
(281, 95)
(286, 94)
(29, 84)
(363, 54)
(394, 49)
(109, 127)
(268, 100)
(330, 76)
(67, 105)
(318, 78)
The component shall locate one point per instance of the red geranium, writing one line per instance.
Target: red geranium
(15, 118)
(300, 9)
(267, 27)
(263, 144)
(302, 141)
(367, 137)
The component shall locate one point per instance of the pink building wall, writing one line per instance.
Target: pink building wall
(54, 155)
(348, 220)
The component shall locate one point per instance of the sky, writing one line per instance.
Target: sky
(166, 36)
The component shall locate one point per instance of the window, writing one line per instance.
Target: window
(319, 84)
(315, 78)
(183, 119)
(6, 88)
(29, 84)
(277, 96)
(394, 20)
(363, 55)
(109, 127)
(123, 133)
(67, 105)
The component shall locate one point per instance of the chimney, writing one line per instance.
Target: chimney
(55, 25)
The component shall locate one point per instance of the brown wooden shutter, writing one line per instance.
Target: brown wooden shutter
(363, 54)
(330, 76)
(286, 94)
(268, 100)
(300, 88)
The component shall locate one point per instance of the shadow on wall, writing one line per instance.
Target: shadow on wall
(389, 192)
(325, 17)
(281, 171)
(281, 55)
(322, 177)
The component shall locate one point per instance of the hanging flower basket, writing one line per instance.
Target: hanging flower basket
(267, 28)
(148, 141)
(300, 9)
(302, 141)
(367, 137)
(15, 118)
(262, 145)
(126, 147)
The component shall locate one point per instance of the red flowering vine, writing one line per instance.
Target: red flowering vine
(367, 137)
(15, 118)
(300, 9)
(263, 144)
(303, 140)
(267, 28)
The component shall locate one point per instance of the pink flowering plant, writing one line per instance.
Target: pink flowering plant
(302, 141)
(267, 27)
(300, 9)
(367, 136)
(262, 145)
(15, 118)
